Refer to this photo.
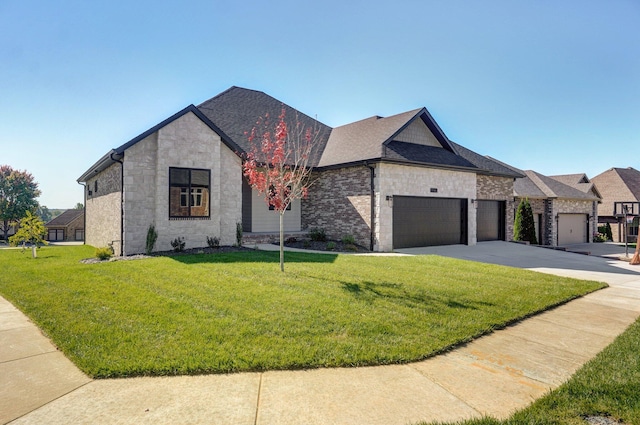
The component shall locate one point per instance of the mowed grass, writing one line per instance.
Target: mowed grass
(607, 386)
(216, 313)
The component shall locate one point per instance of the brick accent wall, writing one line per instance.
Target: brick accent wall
(339, 201)
(493, 188)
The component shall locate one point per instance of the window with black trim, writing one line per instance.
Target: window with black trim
(189, 192)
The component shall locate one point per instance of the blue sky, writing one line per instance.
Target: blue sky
(548, 85)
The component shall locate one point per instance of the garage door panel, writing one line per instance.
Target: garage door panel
(419, 221)
(572, 229)
(490, 220)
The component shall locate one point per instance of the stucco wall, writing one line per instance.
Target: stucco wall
(102, 227)
(188, 143)
(400, 180)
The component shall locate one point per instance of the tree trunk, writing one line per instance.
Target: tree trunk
(635, 260)
(33, 251)
(282, 241)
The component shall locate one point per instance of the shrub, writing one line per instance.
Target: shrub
(318, 235)
(104, 253)
(524, 228)
(213, 242)
(239, 234)
(599, 237)
(608, 233)
(331, 246)
(291, 239)
(306, 243)
(152, 237)
(178, 244)
(348, 240)
(350, 247)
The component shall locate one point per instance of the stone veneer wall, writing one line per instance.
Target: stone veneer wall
(102, 227)
(339, 201)
(186, 142)
(402, 180)
(493, 188)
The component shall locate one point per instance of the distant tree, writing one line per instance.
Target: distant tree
(18, 193)
(79, 206)
(44, 213)
(278, 164)
(524, 228)
(31, 231)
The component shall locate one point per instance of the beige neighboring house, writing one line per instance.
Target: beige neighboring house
(619, 187)
(68, 226)
(390, 182)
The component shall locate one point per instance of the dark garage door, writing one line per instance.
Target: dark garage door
(421, 221)
(490, 220)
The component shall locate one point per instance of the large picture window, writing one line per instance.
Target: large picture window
(189, 192)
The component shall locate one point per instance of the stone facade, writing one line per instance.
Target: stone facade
(339, 201)
(493, 188)
(401, 180)
(184, 143)
(103, 224)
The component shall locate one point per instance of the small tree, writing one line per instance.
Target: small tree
(79, 206)
(18, 193)
(524, 228)
(31, 231)
(279, 167)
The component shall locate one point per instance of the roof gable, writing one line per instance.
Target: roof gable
(66, 218)
(536, 185)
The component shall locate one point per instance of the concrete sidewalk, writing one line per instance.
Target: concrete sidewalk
(493, 375)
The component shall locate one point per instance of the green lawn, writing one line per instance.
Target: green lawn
(237, 312)
(607, 386)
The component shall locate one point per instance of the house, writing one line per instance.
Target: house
(390, 182)
(68, 226)
(620, 187)
(563, 214)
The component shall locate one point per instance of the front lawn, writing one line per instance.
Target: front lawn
(228, 312)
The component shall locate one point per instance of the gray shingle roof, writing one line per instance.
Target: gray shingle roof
(486, 163)
(237, 110)
(65, 218)
(536, 185)
(233, 113)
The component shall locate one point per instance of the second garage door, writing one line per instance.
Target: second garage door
(572, 228)
(420, 221)
(490, 220)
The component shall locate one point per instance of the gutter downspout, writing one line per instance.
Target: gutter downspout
(372, 196)
(121, 202)
(84, 212)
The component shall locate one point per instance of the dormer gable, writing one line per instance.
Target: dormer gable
(418, 133)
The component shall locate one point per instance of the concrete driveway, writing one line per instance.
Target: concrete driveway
(602, 264)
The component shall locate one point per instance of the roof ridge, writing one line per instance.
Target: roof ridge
(535, 178)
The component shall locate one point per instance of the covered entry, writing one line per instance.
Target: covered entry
(422, 221)
(572, 228)
(490, 220)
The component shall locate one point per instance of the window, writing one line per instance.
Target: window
(189, 192)
(95, 186)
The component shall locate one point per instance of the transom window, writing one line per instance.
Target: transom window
(189, 192)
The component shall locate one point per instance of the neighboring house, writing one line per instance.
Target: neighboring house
(390, 182)
(564, 208)
(68, 226)
(619, 187)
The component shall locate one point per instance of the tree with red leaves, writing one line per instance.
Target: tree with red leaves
(278, 164)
